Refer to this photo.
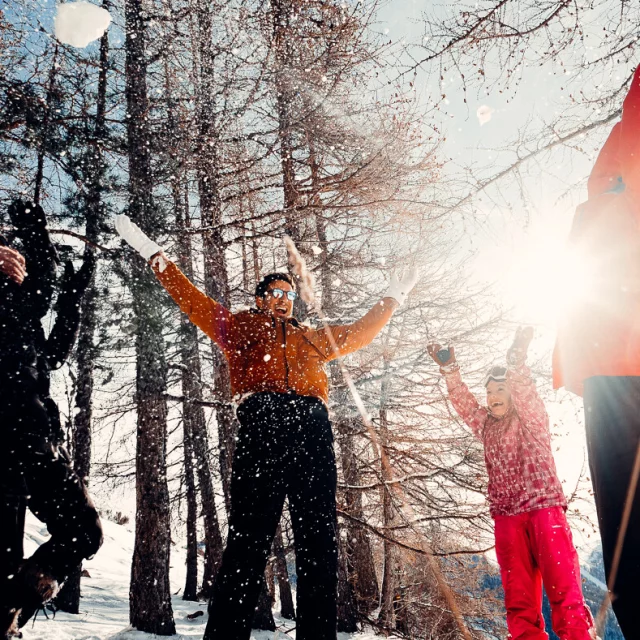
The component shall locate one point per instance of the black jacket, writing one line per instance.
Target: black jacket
(26, 355)
(22, 306)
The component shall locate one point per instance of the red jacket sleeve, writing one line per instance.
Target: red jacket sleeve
(526, 401)
(465, 404)
(629, 152)
(207, 314)
(606, 171)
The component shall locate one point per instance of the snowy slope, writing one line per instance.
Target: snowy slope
(104, 606)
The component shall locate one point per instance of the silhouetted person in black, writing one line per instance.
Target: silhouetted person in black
(35, 469)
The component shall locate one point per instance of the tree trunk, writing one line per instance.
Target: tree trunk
(287, 609)
(69, 597)
(215, 272)
(194, 414)
(283, 38)
(42, 150)
(387, 609)
(150, 607)
(191, 580)
(360, 562)
(193, 411)
(285, 95)
(212, 533)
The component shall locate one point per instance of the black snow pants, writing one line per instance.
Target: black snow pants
(612, 418)
(35, 472)
(284, 449)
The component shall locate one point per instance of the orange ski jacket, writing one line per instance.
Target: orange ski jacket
(269, 354)
(601, 336)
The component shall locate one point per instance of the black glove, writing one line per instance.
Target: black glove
(72, 284)
(72, 288)
(26, 214)
(83, 276)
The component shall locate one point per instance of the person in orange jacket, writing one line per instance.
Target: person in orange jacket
(597, 352)
(285, 443)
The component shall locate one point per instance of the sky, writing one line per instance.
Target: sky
(517, 248)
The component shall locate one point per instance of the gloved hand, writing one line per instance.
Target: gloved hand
(399, 288)
(81, 281)
(444, 357)
(73, 284)
(26, 214)
(517, 353)
(133, 235)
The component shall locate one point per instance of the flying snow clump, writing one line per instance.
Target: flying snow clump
(484, 114)
(79, 23)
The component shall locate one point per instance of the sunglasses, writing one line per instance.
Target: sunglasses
(279, 293)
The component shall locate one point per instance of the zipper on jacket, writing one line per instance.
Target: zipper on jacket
(286, 362)
(275, 322)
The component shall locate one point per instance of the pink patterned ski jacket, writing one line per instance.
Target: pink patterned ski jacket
(517, 447)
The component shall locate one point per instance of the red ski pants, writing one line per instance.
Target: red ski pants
(532, 548)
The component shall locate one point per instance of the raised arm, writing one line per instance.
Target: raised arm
(524, 395)
(335, 342)
(72, 288)
(351, 337)
(463, 401)
(207, 314)
(40, 258)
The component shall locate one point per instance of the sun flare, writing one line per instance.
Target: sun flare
(547, 279)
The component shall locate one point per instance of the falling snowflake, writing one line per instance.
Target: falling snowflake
(484, 114)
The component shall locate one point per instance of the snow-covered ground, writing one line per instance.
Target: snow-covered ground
(105, 603)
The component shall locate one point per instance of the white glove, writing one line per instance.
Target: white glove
(132, 234)
(399, 288)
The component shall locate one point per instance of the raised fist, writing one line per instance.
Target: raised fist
(444, 357)
(517, 353)
(26, 214)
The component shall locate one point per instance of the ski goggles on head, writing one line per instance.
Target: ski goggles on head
(496, 374)
(279, 293)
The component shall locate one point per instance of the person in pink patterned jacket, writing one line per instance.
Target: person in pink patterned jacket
(533, 539)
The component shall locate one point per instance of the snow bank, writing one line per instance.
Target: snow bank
(79, 23)
(104, 608)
